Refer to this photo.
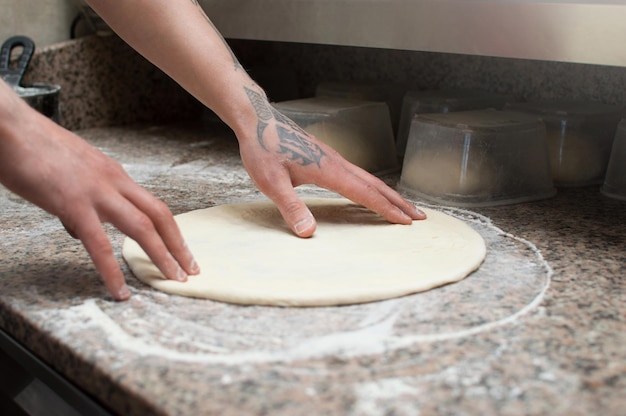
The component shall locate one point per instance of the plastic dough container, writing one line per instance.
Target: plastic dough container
(580, 137)
(477, 158)
(359, 130)
(443, 101)
(369, 91)
(615, 180)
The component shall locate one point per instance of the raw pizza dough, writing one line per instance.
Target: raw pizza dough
(249, 256)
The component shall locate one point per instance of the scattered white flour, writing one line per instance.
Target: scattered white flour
(181, 329)
(370, 396)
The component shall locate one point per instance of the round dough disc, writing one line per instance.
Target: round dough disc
(249, 256)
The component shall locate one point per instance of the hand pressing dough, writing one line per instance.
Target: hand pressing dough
(249, 256)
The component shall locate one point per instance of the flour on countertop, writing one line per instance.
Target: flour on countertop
(507, 286)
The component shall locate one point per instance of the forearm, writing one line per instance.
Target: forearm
(15, 123)
(178, 37)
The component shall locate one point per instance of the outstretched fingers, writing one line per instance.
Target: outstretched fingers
(163, 225)
(363, 188)
(391, 195)
(146, 220)
(89, 231)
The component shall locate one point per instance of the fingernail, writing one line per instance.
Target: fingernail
(416, 212)
(181, 276)
(194, 267)
(123, 292)
(303, 225)
(420, 212)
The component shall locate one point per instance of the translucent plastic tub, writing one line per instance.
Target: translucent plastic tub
(477, 158)
(359, 130)
(389, 93)
(443, 101)
(615, 180)
(580, 137)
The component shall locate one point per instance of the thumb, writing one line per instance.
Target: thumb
(296, 214)
(274, 180)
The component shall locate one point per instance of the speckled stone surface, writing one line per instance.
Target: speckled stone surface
(540, 329)
(105, 82)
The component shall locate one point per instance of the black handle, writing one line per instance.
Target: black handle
(13, 76)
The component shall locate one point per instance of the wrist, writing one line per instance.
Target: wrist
(244, 111)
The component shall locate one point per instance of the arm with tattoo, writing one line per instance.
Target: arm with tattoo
(292, 139)
(178, 37)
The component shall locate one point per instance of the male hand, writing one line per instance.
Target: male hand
(61, 173)
(283, 156)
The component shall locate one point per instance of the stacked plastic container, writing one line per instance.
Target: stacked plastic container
(614, 185)
(477, 158)
(579, 136)
(359, 130)
(443, 101)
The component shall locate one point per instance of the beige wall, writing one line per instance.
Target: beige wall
(44, 21)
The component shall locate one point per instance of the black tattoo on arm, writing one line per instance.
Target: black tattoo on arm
(293, 140)
(285, 120)
(263, 112)
(297, 148)
(260, 128)
(261, 106)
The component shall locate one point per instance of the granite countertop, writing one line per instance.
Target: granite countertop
(539, 329)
